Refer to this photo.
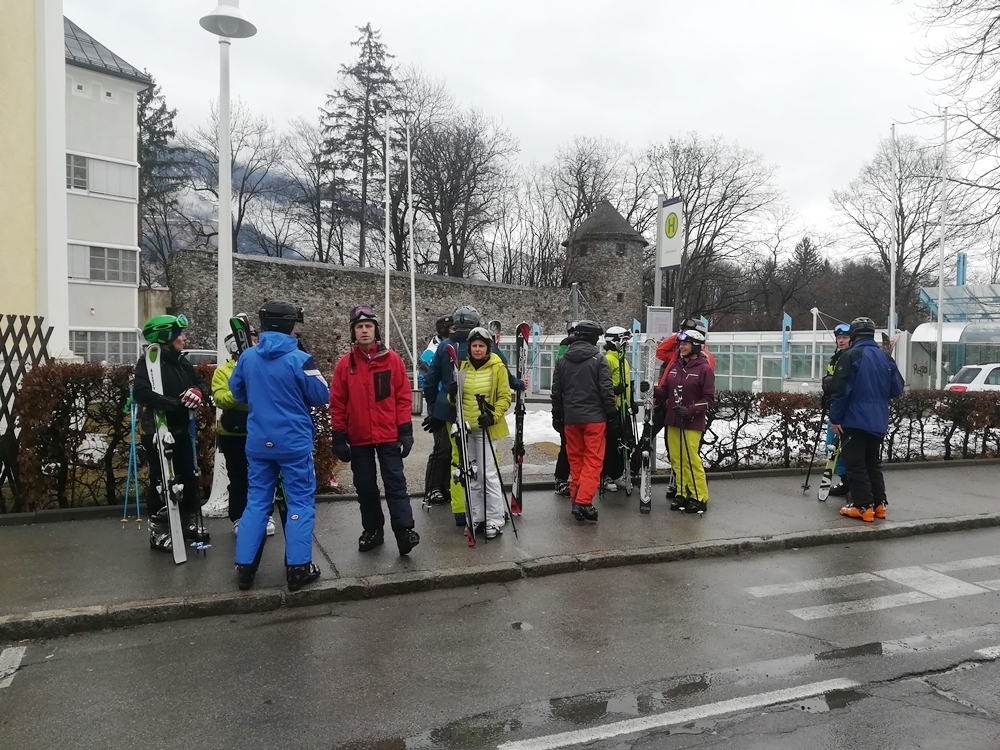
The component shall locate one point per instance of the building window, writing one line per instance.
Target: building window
(621, 297)
(76, 172)
(581, 251)
(111, 347)
(620, 251)
(110, 264)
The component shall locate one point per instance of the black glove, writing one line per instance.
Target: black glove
(619, 389)
(486, 419)
(453, 389)
(614, 428)
(518, 385)
(635, 408)
(557, 424)
(432, 423)
(681, 411)
(826, 382)
(660, 395)
(405, 432)
(340, 447)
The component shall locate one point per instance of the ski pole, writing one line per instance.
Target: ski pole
(812, 457)
(496, 463)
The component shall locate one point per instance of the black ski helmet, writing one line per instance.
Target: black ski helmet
(841, 329)
(589, 331)
(481, 334)
(862, 328)
(365, 312)
(443, 326)
(279, 315)
(466, 318)
(693, 324)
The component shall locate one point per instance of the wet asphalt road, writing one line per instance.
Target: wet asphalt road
(898, 640)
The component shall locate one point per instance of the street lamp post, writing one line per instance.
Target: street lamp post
(227, 23)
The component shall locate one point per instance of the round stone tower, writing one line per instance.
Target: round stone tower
(604, 256)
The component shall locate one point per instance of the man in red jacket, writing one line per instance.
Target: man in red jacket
(370, 409)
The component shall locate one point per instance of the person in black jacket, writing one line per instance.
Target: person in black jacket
(183, 390)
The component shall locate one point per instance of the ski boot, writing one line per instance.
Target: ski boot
(460, 520)
(369, 540)
(880, 509)
(562, 488)
(584, 512)
(299, 575)
(679, 503)
(493, 530)
(406, 539)
(841, 490)
(696, 506)
(671, 493)
(245, 575)
(435, 497)
(159, 531)
(194, 529)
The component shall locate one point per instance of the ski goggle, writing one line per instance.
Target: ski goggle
(363, 312)
(842, 329)
(695, 337)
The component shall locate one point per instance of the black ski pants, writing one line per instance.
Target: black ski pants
(862, 455)
(562, 461)
(438, 474)
(234, 448)
(390, 461)
(183, 460)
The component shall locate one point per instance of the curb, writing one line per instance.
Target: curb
(113, 511)
(63, 622)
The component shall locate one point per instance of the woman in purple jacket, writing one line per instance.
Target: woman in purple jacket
(688, 392)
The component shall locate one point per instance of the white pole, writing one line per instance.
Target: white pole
(812, 366)
(385, 333)
(943, 224)
(894, 246)
(225, 241)
(413, 277)
(657, 271)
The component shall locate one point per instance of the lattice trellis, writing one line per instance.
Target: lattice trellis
(24, 341)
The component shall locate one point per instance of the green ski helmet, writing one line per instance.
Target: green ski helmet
(162, 329)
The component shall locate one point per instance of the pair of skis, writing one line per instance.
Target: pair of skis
(521, 372)
(626, 443)
(826, 483)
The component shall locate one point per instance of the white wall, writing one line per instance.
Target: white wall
(97, 124)
(95, 220)
(115, 306)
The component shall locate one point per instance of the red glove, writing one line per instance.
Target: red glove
(191, 398)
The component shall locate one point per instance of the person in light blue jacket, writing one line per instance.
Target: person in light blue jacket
(279, 382)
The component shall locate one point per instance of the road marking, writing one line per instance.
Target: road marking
(993, 652)
(861, 605)
(645, 723)
(817, 584)
(940, 641)
(930, 582)
(10, 660)
(972, 562)
(992, 585)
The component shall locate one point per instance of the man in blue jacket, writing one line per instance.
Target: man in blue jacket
(864, 380)
(280, 382)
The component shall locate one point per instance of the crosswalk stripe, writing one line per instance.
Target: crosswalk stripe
(930, 582)
(860, 605)
(971, 563)
(816, 584)
(993, 584)
(10, 660)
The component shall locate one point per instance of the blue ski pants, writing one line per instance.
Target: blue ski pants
(390, 461)
(840, 470)
(299, 478)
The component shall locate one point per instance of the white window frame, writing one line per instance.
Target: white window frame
(76, 162)
(122, 338)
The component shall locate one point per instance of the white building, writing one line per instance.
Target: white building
(102, 184)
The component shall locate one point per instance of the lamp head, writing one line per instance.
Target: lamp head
(226, 20)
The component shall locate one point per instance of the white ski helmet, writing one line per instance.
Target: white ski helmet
(617, 337)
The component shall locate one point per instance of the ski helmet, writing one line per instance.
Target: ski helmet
(862, 328)
(163, 329)
(695, 337)
(571, 326)
(279, 315)
(443, 326)
(481, 334)
(231, 346)
(365, 312)
(589, 331)
(617, 337)
(842, 329)
(466, 318)
(694, 324)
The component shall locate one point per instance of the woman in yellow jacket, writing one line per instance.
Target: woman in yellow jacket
(485, 377)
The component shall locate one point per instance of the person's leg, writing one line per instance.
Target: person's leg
(477, 487)
(696, 470)
(496, 509)
(263, 476)
(873, 460)
(233, 447)
(574, 455)
(613, 464)
(366, 483)
(154, 501)
(390, 463)
(854, 448)
(437, 478)
(299, 478)
(562, 462)
(455, 486)
(592, 458)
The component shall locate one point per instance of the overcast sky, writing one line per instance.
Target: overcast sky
(810, 84)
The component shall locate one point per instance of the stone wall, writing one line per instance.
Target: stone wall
(328, 292)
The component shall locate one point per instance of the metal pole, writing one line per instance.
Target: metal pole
(225, 237)
(812, 366)
(657, 270)
(385, 333)
(894, 247)
(413, 278)
(943, 225)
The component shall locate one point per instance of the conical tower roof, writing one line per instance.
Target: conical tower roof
(605, 223)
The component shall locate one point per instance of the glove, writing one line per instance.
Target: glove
(635, 408)
(619, 389)
(557, 424)
(453, 389)
(518, 385)
(432, 424)
(191, 398)
(405, 432)
(827, 380)
(681, 411)
(660, 395)
(486, 420)
(614, 429)
(340, 447)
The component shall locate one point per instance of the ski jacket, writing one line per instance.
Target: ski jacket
(694, 379)
(370, 396)
(490, 381)
(581, 386)
(233, 420)
(827, 380)
(280, 382)
(666, 352)
(177, 375)
(613, 362)
(426, 358)
(863, 382)
(439, 377)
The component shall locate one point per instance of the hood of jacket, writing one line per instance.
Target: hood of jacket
(274, 344)
(580, 351)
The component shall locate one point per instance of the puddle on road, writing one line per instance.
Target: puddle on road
(866, 649)
(828, 701)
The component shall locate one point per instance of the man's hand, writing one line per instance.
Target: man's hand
(620, 389)
(486, 419)
(453, 390)
(191, 398)
(681, 411)
(340, 447)
(837, 429)
(405, 433)
(432, 423)
(558, 425)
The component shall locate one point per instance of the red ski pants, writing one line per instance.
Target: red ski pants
(585, 451)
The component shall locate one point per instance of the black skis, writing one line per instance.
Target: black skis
(460, 434)
(521, 368)
(627, 418)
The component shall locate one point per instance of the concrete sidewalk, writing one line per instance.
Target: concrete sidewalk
(72, 576)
